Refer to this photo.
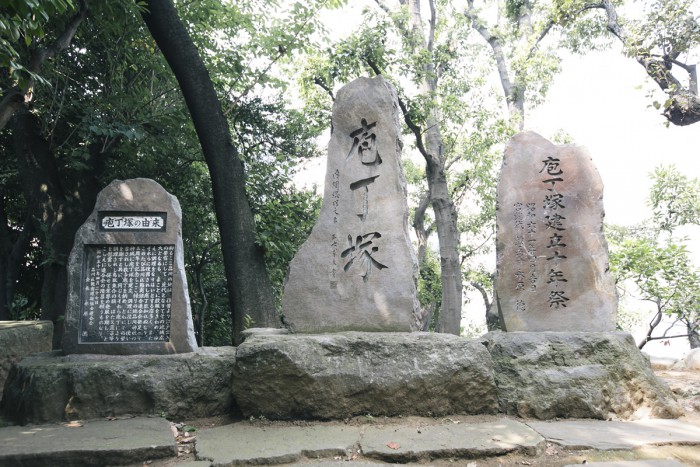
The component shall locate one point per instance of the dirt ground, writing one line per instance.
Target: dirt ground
(684, 384)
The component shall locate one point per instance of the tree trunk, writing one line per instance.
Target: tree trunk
(693, 334)
(56, 216)
(249, 288)
(443, 207)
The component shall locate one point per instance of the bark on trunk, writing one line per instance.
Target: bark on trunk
(249, 288)
(693, 334)
(440, 200)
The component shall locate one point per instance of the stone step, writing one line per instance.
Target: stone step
(135, 441)
(602, 436)
(244, 444)
(92, 443)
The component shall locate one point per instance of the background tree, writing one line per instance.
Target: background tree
(656, 262)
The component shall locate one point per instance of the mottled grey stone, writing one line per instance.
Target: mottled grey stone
(547, 375)
(552, 257)
(357, 271)
(463, 440)
(92, 443)
(614, 435)
(243, 444)
(335, 376)
(50, 387)
(135, 197)
(19, 339)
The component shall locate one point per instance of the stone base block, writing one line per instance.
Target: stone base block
(51, 387)
(549, 375)
(334, 376)
(19, 339)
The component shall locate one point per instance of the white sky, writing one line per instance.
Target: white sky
(601, 101)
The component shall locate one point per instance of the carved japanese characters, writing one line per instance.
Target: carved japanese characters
(358, 271)
(127, 287)
(552, 257)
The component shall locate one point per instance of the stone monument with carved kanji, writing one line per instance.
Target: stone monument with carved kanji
(357, 271)
(127, 290)
(552, 257)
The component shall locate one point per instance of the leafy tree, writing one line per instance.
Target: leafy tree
(657, 263)
(662, 42)
(516, 39)
(22, 25)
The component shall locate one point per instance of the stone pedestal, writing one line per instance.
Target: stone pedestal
(51, 387)
(602, 375)
(335, 376)
(19, 339)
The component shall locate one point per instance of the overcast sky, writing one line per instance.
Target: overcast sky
(601, 101)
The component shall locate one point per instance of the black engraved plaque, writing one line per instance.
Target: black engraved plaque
(127, 293)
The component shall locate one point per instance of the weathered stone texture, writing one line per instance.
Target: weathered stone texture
(357, 271)
(134, 441)
(19, 339)
(50, 387)
(135, 197)
(576, 375)
(552, 257)
(340, 375)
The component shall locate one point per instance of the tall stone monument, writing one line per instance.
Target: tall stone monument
(552, 257)
(127, 286)
(357, 271)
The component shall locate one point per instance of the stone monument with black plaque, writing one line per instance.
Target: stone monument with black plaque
(127, 286)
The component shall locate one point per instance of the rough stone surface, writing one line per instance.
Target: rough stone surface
(643, 463)
(335, 376)
(691, 361)
(19, 339)
(473, 440)
(242, 444)
(50, 387)
(136, 197)
(589, 434)
(98, 442)
(576, 375)
(357, 271)
(552, 257)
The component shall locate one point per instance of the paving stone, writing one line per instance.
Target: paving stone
(608, 435)
(99, 442)
(644, 463)
(243, 444)
(466, 440)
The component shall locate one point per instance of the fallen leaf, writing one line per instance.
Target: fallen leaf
(393, 445)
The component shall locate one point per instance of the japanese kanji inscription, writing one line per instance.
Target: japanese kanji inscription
(127, 287)
(357, 270)
(552, 257)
